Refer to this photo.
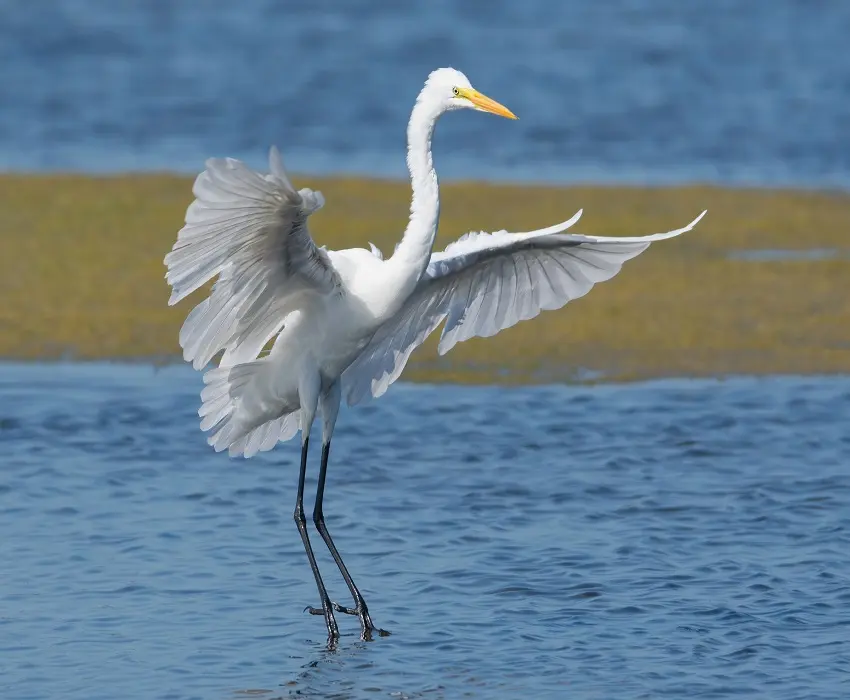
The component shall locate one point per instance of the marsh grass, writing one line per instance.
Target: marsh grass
(81, 275)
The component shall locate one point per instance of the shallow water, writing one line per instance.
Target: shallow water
(753, 92)
(673, 538)
(788, 255)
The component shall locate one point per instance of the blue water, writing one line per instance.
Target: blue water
(676, 538)
(754, 92)
(787, 255)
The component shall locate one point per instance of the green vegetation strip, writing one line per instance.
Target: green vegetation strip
(81, 275)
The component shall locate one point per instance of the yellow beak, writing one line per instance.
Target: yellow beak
(485, 104)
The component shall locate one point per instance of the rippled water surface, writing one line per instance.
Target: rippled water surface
(622, 90)
(667, 539)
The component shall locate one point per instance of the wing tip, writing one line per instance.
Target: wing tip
(278, 170)
(679, 231)
(558, 228)
(697, 220)
(275, 160)
(564, 225)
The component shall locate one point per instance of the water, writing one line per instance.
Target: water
(787, 255)
(675, 538)
(753, 92)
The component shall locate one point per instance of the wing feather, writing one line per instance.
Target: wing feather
(486, 282)
(251, 230)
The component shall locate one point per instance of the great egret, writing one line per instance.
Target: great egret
(345, 322)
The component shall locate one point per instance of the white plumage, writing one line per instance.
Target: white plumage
(344, 323)
(251, 229)
(484, 283)
(350, 316)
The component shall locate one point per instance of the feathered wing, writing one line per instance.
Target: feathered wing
(238, 428)
(486, 282)
(251, 229)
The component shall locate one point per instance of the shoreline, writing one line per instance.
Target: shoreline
(759, 287)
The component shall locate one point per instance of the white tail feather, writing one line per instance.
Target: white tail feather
(240, 427)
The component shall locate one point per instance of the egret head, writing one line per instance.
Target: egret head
(451, 89)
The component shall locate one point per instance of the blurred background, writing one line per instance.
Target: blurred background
(641, 91)
(647, 492)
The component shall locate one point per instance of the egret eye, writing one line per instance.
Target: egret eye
(456, 92)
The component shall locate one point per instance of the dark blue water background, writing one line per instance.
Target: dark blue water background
(660, 91)
(674, 538)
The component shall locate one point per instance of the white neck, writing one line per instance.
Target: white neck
(414, 250)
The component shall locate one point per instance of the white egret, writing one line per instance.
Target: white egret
(345, 322)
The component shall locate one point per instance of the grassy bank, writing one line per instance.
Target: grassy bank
(81, 275)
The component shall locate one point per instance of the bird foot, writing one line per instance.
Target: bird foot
(330, 621)
(367, 627)
(346, 611)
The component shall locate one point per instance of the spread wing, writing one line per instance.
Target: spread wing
(486, 282)
(251, 230)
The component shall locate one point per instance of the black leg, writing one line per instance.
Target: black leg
(360, 609)
(301, 522)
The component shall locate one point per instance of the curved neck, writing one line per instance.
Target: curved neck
(414, 250)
